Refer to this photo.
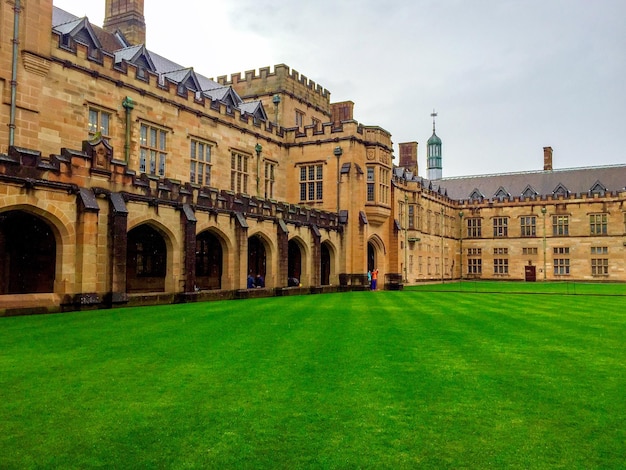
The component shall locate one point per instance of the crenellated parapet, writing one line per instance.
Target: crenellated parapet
(282, 77)
(282, 81)
(371, 137)
(142, 84)
(94, 171)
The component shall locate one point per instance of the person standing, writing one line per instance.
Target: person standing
(369, 278)
(374, 278)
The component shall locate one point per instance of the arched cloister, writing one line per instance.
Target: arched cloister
(210, 256)
(28, 253)
(298, 271)
(261, 262)
(326, 259)
(146, 260)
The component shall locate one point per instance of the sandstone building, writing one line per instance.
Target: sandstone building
(128, 178)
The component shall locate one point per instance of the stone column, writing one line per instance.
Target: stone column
(316, 257)
(241, 250)
(118, 234)
(188, 221)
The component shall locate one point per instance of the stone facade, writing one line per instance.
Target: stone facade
(126, 179)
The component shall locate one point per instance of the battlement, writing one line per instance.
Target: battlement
(101, 65)
(266, 81)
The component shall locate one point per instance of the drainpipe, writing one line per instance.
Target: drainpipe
(258, 150)
(16, 41)
(128, 105)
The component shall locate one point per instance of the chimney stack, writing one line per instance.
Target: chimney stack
(408, 156)
(127, 17)
(342, 111)
(547, 159)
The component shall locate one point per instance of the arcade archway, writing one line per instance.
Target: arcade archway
(294, 264)
(146, 260)
(371, 256)
(325, 264)
(209, 261)
(257, 259)
(27, 254)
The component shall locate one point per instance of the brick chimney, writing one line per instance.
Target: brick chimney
(127, 17)
(547, 159)
(342, 111)
(408, 156)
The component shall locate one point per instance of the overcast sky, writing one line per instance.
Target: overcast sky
(506, 77)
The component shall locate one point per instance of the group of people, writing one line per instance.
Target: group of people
(372, 278)
(258, 281)
(254, 282)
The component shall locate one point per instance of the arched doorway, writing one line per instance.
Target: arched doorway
(146, 260)
(325, 260)
(294, 264)
(257, 264)
(371, 256)
(27, 254)
(208, 261)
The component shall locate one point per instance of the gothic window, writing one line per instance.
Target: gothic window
(152, 150)
(474, 227)
(99, 121)
(269, 178)
(200, 162)
(239, 172)
(598, 224)
(371, 184)
(528, 226)
(311, 182)
(560, 225)
(501, 227)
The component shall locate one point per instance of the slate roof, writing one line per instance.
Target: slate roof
(584, 180)
(66, 23)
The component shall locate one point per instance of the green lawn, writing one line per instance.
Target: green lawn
(357, 380)
(565, 288)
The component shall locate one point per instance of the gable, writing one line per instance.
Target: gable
(529, 192)
(476, 195)
(502, 193)
(561, 190)
(598, 188)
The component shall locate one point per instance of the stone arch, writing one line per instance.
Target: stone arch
(260, 258)
(376, 253)
(328, 261)
(211, 254)
(298, 271)
(148, 258)
(60, 273)
(173, 246)
(28, 253)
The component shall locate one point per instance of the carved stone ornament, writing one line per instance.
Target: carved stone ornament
(100, 151)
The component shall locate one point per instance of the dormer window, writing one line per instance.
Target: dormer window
(529, 192)
(476, 195)
(561, 190)
(502, 193)
(598, 189)
(67, 42)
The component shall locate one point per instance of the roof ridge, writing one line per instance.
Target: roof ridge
(533, 172)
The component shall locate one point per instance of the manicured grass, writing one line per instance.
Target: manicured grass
(357, 380)
(565, 288)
